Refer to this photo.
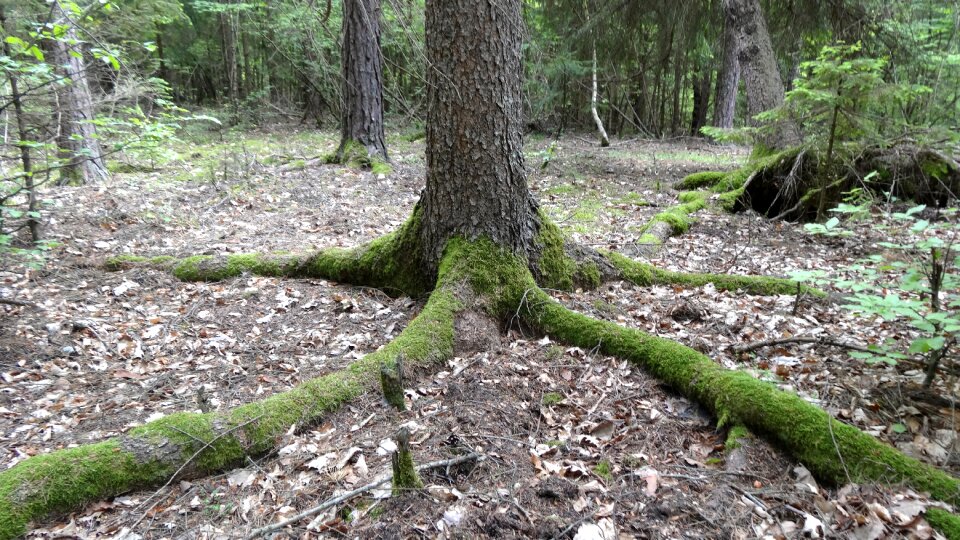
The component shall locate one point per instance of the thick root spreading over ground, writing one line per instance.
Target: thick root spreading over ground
(473, 275)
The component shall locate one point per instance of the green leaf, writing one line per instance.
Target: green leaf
(898, 428)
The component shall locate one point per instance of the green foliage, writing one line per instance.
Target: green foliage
(912, 279)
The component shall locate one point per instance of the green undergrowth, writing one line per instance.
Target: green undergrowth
(644, 275)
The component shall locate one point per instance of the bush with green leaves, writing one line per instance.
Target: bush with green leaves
(913, 279)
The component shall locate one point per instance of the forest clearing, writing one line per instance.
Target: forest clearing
(471, 311)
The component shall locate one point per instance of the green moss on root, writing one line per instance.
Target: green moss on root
(830, 449)
(678, 217)
(946, 523)
(556, 269)
(389, 262)
(700, 180)
(644, 275)
(735, 436)
(147, 456)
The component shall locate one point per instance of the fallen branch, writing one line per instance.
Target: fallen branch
(13, 302)
(821, 340)
(360, 490)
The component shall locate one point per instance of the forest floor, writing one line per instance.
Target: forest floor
(575, 444)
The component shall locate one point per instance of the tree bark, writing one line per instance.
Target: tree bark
(701, 100)
(604, 140)
(759, 69)
(362, 116)
(78, 133)
(728, 78)
(476, 183)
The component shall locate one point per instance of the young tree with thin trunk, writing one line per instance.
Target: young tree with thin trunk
(361, 123)
(78, 133)
(478, 246)
(758, 66)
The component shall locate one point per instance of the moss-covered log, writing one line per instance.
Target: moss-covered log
(671, 222)
(188, 444)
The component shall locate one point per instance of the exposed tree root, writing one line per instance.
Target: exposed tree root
(800, 183)
(674, 221)
(355, 154)
(644, 275)
(474, 277)
(834, 451)
(189, 445)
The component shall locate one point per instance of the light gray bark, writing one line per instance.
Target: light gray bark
(78, 133)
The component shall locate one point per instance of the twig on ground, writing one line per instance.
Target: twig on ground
(13, 302)
(351, 494)
(819, 340)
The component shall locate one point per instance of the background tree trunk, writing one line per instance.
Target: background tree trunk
(476, 183)
(728, 78)
(701, 100)
(78, 133)
(758, 66)
(362, 116)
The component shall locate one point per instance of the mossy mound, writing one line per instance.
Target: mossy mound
(800, 184)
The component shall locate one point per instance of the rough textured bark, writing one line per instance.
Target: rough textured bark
(228, 47)
(476, 184)
(362, 116)
(728, 78)
(701, 100)
(78, 134)
(759, 70)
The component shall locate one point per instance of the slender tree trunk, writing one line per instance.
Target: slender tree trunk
(25, 160)
(476, 183)
(701, 100)
(362, 116)
(759, 69)
(604, 140)
(228, 47)
(78, 133)
(728, 78)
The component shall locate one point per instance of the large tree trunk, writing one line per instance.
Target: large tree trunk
(362, 116)
(476, 184)
(78, 135)
(728, 78)
(759, 69)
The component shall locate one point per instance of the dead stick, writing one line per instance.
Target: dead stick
(351, 494)
(802, 339)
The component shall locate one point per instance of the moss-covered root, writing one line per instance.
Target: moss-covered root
(356, 155)
(191, 444)
(948, 524)
(834, 451)
(644, 275)
(700, 180)
(671, 222)
(389, 263)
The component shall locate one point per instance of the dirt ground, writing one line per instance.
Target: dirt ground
(572, 444)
